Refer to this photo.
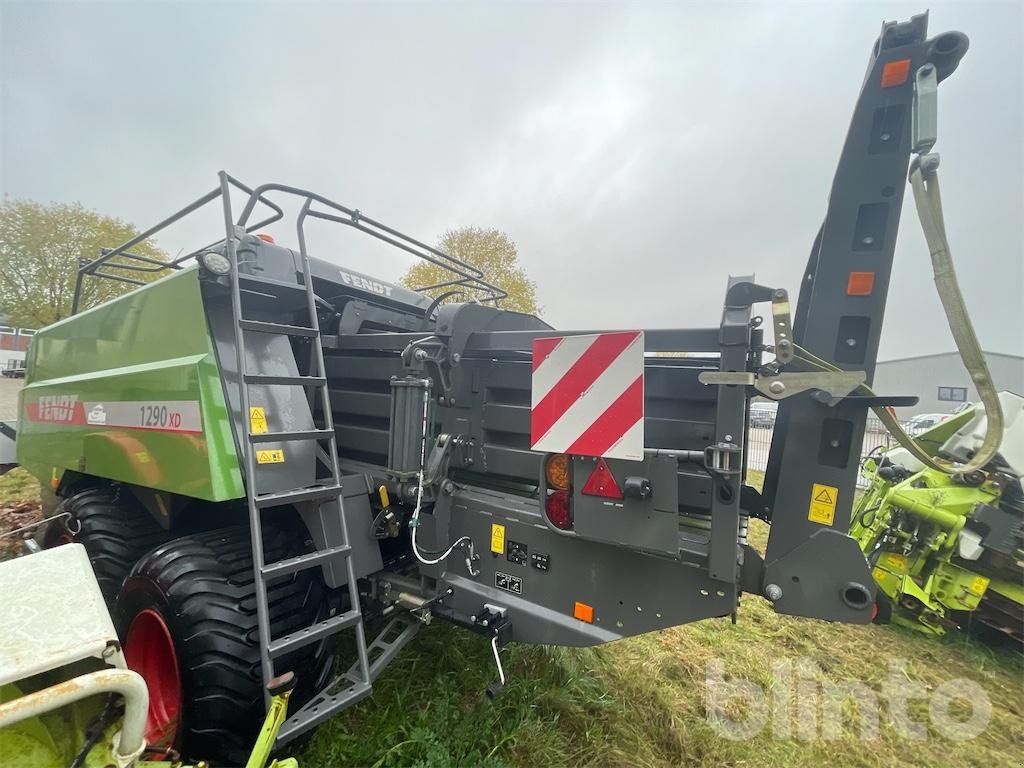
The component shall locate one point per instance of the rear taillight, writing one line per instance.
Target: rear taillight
(557, 470)
(556, 507)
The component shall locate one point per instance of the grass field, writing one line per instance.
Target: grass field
(641, 701)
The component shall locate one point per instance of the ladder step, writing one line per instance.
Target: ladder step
(401, 629)
(305, 381)
(281, 437)
(297, 495)
(318, 631)
(323, 705)
(302, 562)
(258, 326)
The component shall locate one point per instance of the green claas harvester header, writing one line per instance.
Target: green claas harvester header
(947, 549)
(260, 451)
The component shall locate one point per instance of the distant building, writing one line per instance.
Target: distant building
(13, 346)
(942, 382)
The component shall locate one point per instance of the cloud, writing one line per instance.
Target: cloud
(637, 154)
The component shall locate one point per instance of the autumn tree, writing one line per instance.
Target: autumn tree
(41, 247)
(493, 253)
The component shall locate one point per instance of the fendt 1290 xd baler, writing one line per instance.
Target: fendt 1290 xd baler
(261, 449)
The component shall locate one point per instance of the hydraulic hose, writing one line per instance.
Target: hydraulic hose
(925, 182)
(924, 179)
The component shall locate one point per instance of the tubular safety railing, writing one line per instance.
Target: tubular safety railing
(465, 276)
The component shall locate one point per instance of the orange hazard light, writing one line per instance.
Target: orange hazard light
(860, 284)
(895, 73)
(557, 471)
(583, 612)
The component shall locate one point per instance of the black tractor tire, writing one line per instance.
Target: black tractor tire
(115, 529)
(203, 587)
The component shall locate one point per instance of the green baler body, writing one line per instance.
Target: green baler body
(131, 391)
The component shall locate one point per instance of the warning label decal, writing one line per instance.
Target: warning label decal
(508, 582)
(257, 420)
(274, 456)
(497, 538)
(822, 508)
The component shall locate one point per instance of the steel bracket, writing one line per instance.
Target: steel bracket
(837, 384)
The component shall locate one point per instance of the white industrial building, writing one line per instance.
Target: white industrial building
(941, 381)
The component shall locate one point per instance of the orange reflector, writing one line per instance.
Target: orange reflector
(895, 73)
(265, 237)
(860, 284)
(583, 612)
(602, 483)
(557, 471)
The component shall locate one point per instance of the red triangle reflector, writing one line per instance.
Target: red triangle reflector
(602, 483)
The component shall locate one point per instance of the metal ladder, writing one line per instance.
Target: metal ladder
(355, 684)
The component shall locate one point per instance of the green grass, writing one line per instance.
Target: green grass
(19, 506)
(641, 701)
(18, 485)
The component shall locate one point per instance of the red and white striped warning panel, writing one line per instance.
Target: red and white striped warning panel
(588, 395)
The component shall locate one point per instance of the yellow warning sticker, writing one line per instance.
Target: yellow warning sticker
(271, 456)
(257, 420)
(979, 585)
(497, 538)
(823, 504)
(893, 561)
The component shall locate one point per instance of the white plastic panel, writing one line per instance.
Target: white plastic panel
(51, 613)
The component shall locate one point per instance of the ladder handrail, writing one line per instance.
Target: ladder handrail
(248, 453)
(325, 406)
(468, 275)
(108, 254)
(363, 223)
(314, 378)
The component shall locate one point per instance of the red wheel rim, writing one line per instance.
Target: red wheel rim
(149, 650)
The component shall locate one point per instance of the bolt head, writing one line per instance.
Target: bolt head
(776, 387)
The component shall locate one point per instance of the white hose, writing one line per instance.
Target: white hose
(497, 659)
(414, 522)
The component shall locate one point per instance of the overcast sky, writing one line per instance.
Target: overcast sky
(637, 154)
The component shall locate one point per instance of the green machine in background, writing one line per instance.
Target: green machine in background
(946, 549)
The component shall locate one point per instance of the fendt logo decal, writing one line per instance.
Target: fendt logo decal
(587, 395)
(55, 409)
(159, 416)
(365, 283)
